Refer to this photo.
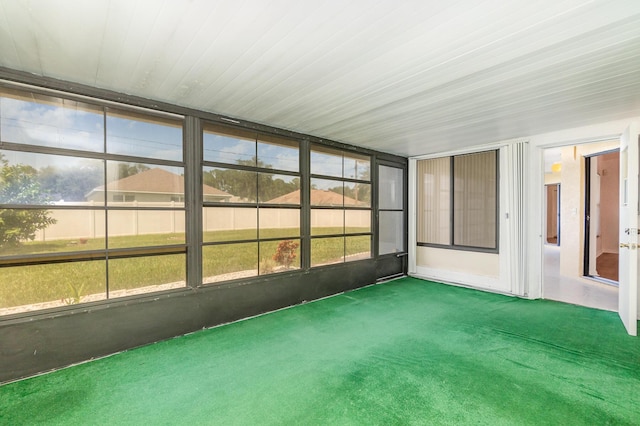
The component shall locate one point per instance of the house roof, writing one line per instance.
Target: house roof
(157, 180)
(319, 197)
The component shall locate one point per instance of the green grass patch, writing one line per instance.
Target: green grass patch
(21, 285)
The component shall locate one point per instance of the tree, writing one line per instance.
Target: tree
(70, 183)
(19, 185)
(242, 183)
(126, 170)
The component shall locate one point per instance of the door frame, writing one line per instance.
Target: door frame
(558, 207)
(587, 217)
(538, 194)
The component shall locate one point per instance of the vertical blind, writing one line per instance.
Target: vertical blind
(434, 201)
(474, 200)
(457, 202)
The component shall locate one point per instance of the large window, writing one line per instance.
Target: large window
(457, 201)
(100, 201)
(251, 204)
(340, 201)
(87, 202)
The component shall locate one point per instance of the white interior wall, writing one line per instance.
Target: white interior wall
(467, 269)
(487, 271)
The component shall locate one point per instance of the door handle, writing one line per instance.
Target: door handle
(624, 245)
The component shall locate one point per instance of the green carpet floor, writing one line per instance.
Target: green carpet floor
(403, 352)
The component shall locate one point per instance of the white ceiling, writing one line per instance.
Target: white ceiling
(407, 77)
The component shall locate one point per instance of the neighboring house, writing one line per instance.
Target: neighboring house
(319, 197)
(153, 185)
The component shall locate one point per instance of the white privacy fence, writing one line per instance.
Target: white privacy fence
(87, 224)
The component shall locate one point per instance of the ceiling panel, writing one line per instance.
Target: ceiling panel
(407, 77)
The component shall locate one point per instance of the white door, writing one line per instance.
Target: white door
(628, 258)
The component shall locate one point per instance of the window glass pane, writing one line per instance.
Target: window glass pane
(357, 194)
(50, 231)
(231, 146)
(327, 192)
(358, 248)
(144, 185)
(327, 221)
(276, 223)
(357, 221)
(229, 262)
(40, 179)
(229, 185)
(434, 201)
(229, 224)
(278, 189)
(325, 251)
(391, 232)
(475, 200)
(279, 256)
(141, 228)
(278, 153)
(326, 161)
(33, 287)
(390, 187)
(29, 118)
(144, 135)
(139, 275)
(357, 166)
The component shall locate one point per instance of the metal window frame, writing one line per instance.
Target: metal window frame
(192, 163)
(461, 247)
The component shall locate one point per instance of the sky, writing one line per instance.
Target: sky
(52, 122)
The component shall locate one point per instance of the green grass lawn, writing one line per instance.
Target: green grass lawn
(21, 285)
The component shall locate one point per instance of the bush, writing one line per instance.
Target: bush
(286, 253)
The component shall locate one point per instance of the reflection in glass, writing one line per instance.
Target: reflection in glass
(29, 118)
(357, 221)
(144, 228)
(390, 185)
(278, 153)
(33, 287)
(231, 186)
(326, 161)
(42, 179)
(325, 251)
(326, 192)
(231, 146)
(327, 221)
(278, 189)
(139, 184)
(229, 261)
(358, 247)
(275, 223)
(144, 135)
(357, 166)
(140, 275)
(391, 233)
(357, 194)
(229, 224)
(279, 256)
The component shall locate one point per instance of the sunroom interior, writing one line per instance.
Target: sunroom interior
(173, 166)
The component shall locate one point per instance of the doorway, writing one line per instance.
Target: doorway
(563, 265)
(552, 233)
(601, 218)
